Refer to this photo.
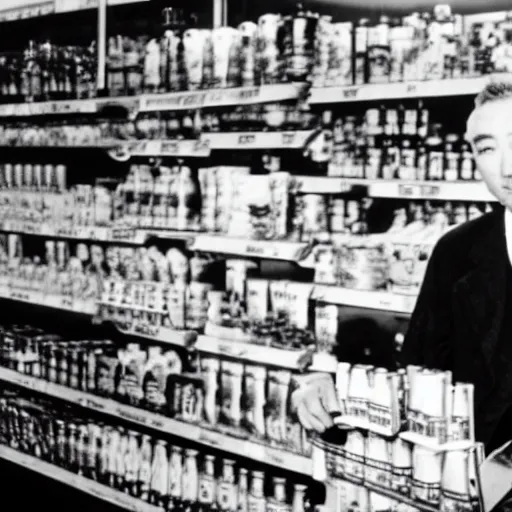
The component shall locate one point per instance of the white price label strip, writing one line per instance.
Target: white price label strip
(362, 299)
(423, 89)
(93, 233)
(78, 5)
(276, 250)
(257, 140)
(258, 452)
(442, 191)
(326, 185)
(164, 335)
(173, 148)
(257, 354)
(80, 483)
(32, 9)
(221, 97)
(51, 301)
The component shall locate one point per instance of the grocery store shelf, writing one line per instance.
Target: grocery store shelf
(122, 235)
(161, 335)
(260, 249)
(45, 7)
(441, 190)
(433, 444)
(237, 446)
(257, 140)
(32, 10)
(92, 233)
(384, 301)
(207, 98)
(264, 355)
(174, 148)
(210, 98)
(80, 5)
(102, 492)
(425, 89)
(50, 301)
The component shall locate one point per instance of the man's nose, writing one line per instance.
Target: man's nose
(506, 163)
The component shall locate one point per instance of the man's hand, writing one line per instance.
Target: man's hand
(315, 401)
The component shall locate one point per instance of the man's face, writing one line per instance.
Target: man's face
(489, 130)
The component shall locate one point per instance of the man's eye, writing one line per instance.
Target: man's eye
(485, 150)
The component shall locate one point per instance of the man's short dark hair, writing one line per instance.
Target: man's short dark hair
(498, 89)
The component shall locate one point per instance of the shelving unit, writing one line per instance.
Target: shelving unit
(383, 301)
(283, 253)
(78, 482)
(399, 90)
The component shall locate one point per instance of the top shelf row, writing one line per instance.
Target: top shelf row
(214, 98)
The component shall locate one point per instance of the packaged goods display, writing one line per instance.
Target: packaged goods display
(190, 124)
(46, 71)
(242, 210)
(56, 272)
(244, 400)
(379, 474)
(73, 133)
(152, 469)
(399, 143)
(273, 49)
(436, 415)
(433, 461)
(395, 260)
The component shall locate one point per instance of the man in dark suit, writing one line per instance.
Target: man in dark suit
(462, 321)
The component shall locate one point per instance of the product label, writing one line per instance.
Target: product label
(257, 504)
(401, 480)
(226, 496)
(428, 493)
(206, 489)
(378, 473)
(354, 467)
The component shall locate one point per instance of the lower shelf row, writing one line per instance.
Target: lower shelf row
(123, 460)
(241, 447)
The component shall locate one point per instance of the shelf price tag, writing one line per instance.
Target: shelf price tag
(255, 451)
(231, 350)
(67, 303)
(74, 5)
(157, 423)
(411, 89)
(141, 419)
(91, 403)
(351, 93)
(120, 234)
(147, 330)
(419, 191)
(209, 438)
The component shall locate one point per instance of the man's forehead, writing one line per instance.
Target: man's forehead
(490, 118)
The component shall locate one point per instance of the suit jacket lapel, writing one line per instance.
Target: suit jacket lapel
(481, 293)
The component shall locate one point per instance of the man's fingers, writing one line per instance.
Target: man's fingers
(317, 410)
(330, 398)
(308, 421)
